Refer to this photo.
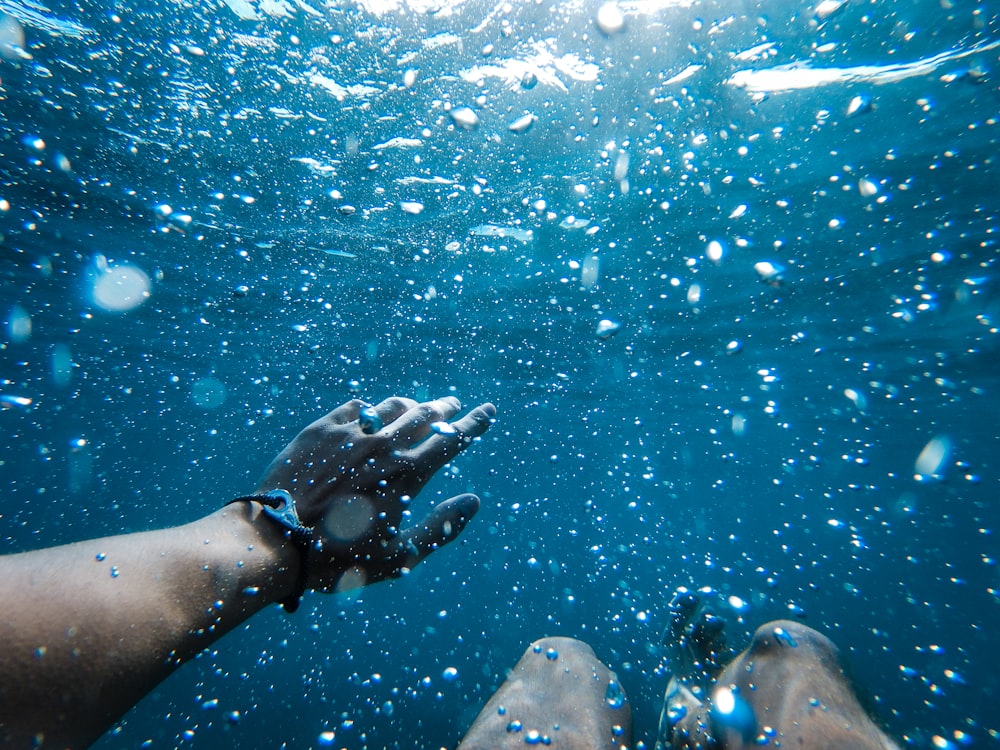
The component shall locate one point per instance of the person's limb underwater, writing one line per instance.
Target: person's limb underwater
(787, 687)
(558, 694)
(92, 626)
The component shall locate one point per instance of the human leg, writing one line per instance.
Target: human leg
(788, 686)
(559, 693)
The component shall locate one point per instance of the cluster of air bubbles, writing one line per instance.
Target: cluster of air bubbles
(796, 610)
(37, 145)
(171, 220)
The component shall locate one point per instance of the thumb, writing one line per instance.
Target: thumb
(442, 525)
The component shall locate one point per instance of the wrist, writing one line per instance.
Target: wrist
(266, 562)
(278, 506)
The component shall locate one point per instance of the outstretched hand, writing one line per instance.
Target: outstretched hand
(352, 475)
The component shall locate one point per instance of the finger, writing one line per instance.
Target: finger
(392, 408)
(345, 413)
(448, 443)
(415, 424)
(442, 525)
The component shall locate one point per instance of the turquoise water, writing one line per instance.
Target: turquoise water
(221, 220)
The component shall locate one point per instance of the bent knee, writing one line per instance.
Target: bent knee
(792, 640)
(556, 646)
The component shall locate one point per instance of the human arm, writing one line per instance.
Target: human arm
(91, 627)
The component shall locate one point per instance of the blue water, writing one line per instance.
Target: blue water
(759, 435)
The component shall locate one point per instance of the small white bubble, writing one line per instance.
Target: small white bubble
(933, 457)
(443, 428)
(610, 18)
(465, 117)
(523, 123)
(859, 105)
(769, 272)
(867, 188)
(10, 401)
(715, 251)
(607, 328)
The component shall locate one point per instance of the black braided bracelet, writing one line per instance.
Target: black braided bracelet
(279, 507)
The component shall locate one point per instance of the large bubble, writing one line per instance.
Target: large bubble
(120, 287)
(12, 39)
(208, 393)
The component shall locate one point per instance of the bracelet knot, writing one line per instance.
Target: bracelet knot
(280, 508)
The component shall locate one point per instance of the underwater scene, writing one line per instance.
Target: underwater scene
(728, 270)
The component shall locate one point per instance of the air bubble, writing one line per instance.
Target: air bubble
(607, 328)
(614, 696)
(465, 117)
(208, 393)
(369, 420)
(523, 123)
(119, 288)
(610, 18)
